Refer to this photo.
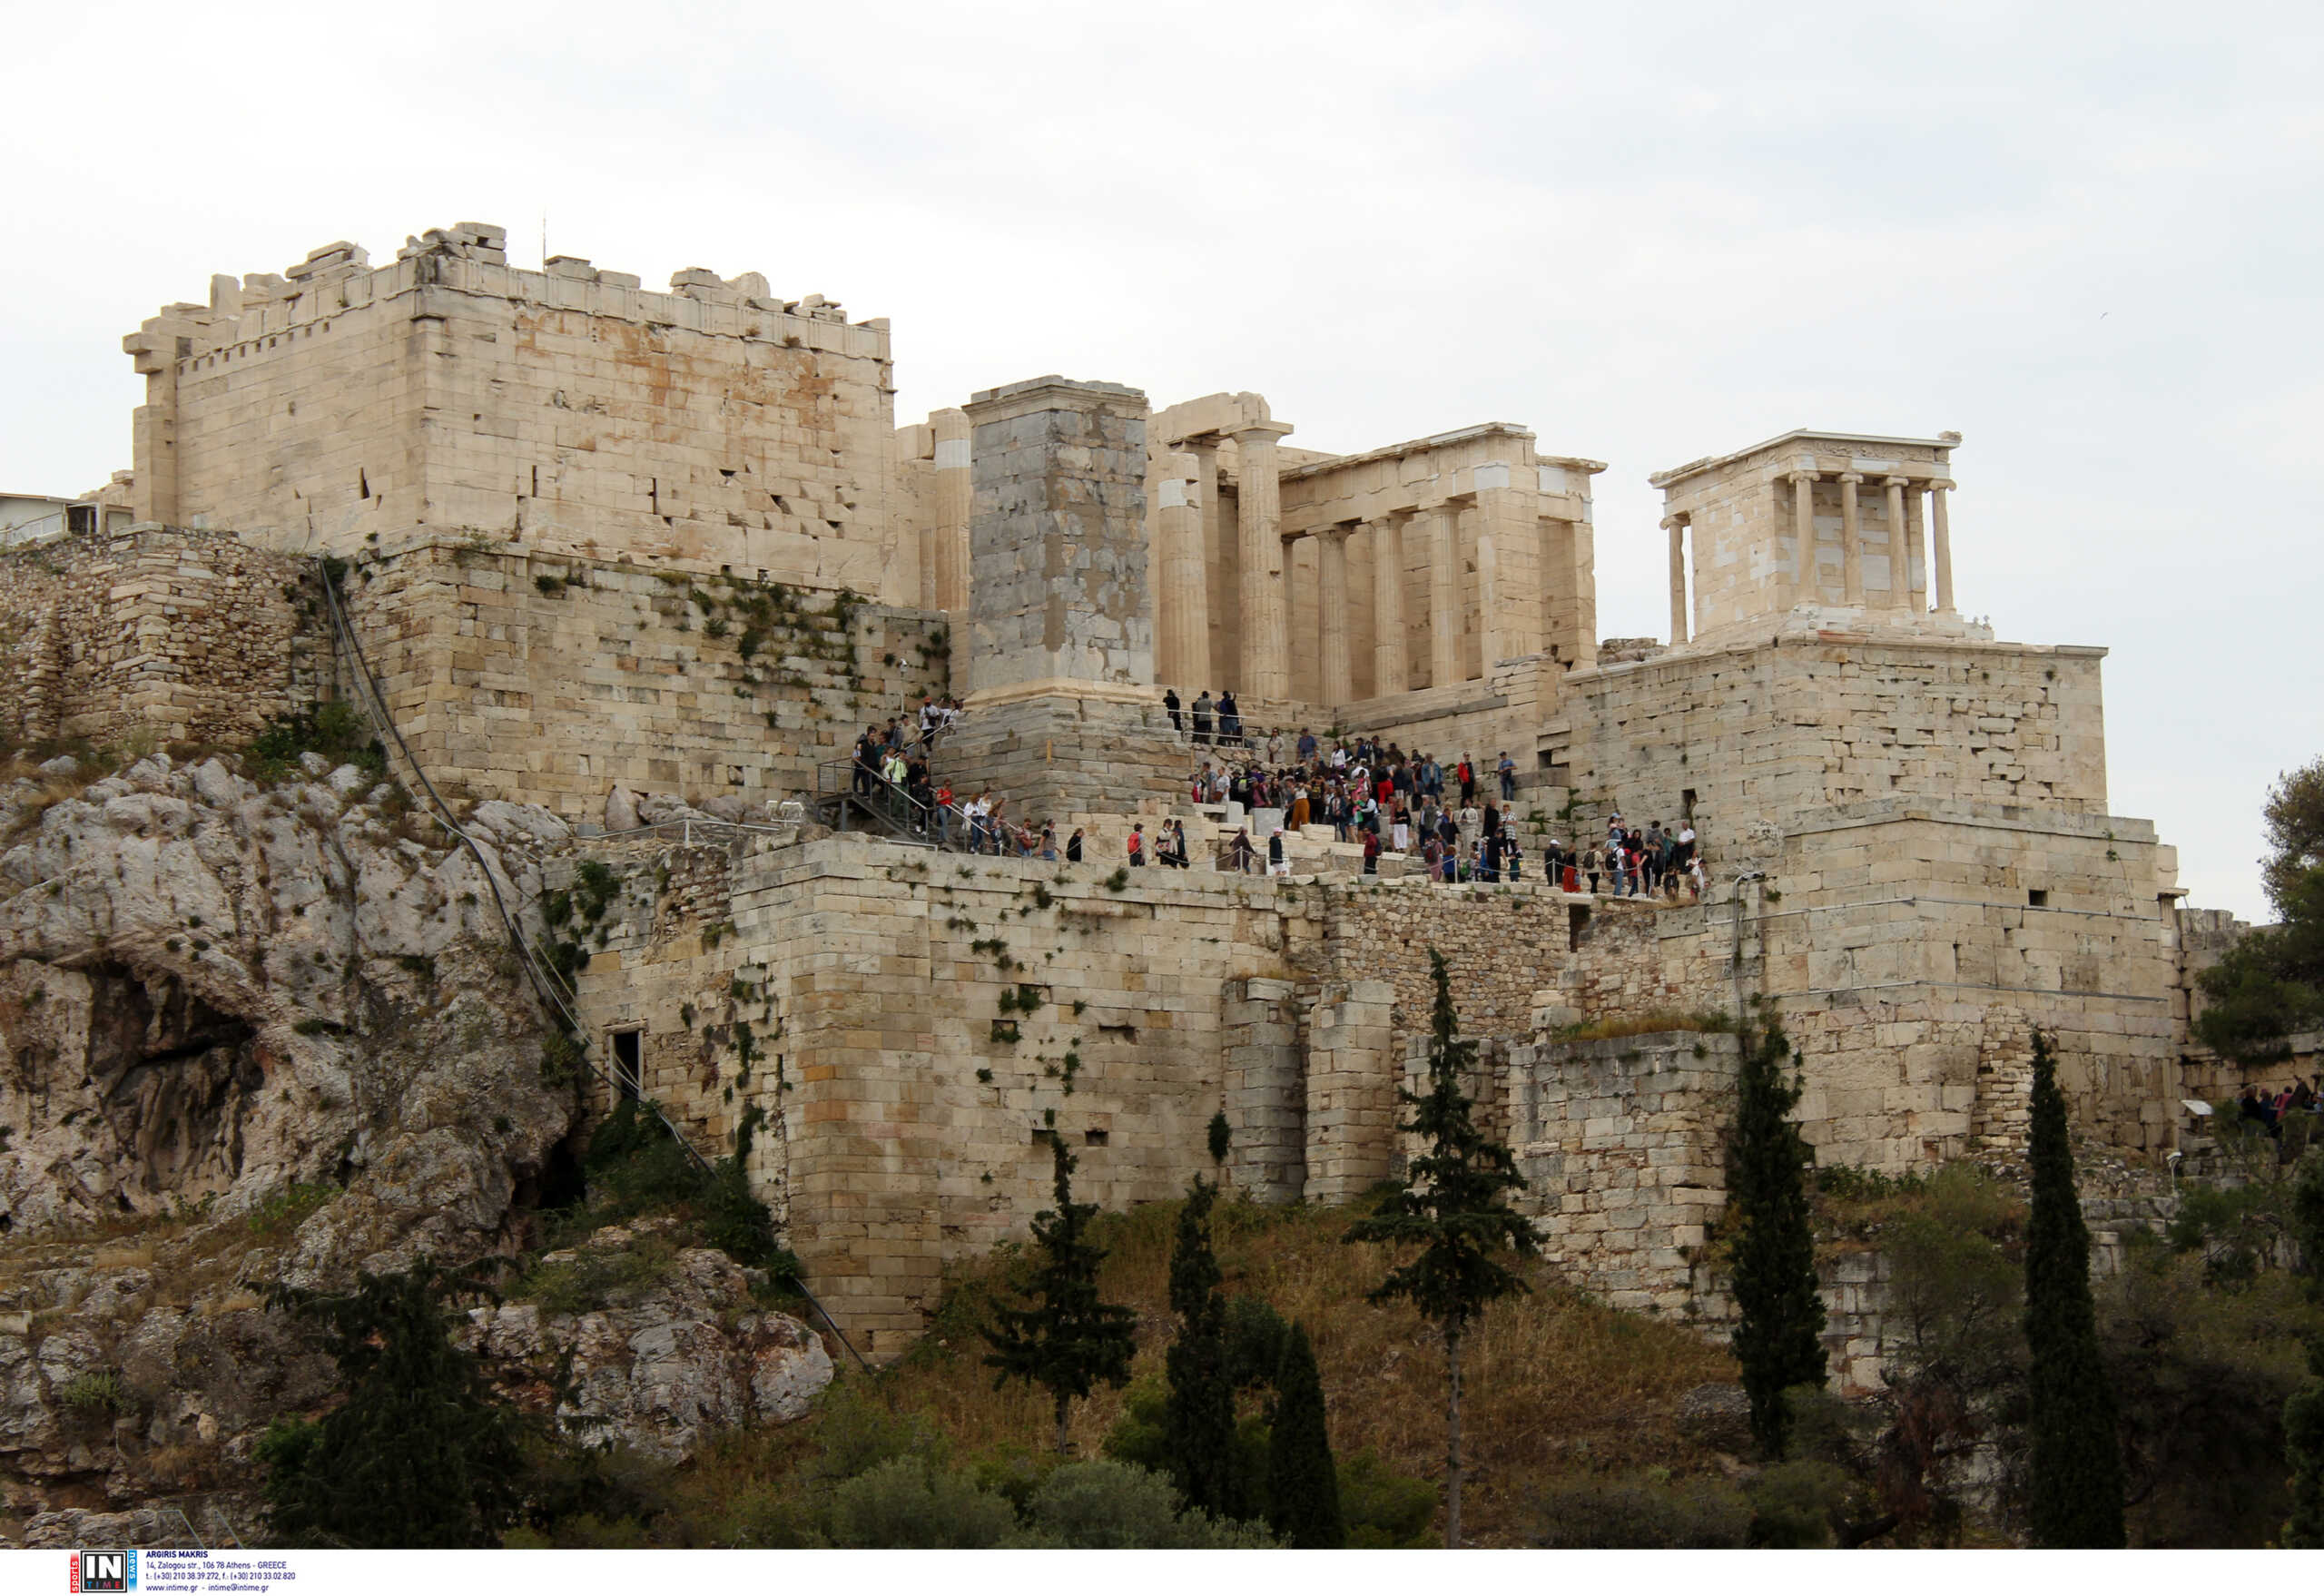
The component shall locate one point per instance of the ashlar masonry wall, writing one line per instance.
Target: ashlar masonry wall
(550, 681)
(715, 424)
(1759, 734)
(181, 636)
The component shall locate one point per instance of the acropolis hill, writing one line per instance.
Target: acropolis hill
(623, 555)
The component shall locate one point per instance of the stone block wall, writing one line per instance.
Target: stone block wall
(1351, 1109)
(1620, 1142)
(1748, 738)
(551, 680)
(183, 635)
(715, 424)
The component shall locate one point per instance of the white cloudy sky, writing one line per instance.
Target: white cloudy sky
(2086, 237)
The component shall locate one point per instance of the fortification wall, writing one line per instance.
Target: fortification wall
(1759, 734)
(714, 425)
(550, 681)
(183, 637)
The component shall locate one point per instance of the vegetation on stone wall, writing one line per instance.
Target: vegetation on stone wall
(2270, 983)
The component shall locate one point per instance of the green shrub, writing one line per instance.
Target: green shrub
(99, 1391)
(1107, 1505)
(331, 729)
(905, 1503)
(1384, 1510)
(1643, 1512)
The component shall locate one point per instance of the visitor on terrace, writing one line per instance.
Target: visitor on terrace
(1202, 717)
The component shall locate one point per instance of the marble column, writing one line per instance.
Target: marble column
(1388, 645)
(1804, 579)
(1851, 539)
(953, 487)
(1915, 551)
(1182, 592)
(1444, 595)
(1210, 653)
(1676, 526)
(1900, 559)
(1331, 602)
(1265, 655)
(1940, 533)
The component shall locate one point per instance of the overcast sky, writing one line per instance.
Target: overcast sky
(2086, 238)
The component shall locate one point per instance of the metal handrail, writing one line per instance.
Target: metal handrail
(554, 993)
(544, 978)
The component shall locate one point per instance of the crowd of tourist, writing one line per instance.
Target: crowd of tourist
(2273, 1111)
(1414, 804)
(1456, 818)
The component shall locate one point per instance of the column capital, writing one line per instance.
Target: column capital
(1851, 476)
(1261, 432)
(1940, 485)
(1895, 482)
(1337, 532)
(1671, 523)
(1798, 477)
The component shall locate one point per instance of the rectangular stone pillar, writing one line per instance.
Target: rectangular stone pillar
(1065, 716)
(1265, 1091)
(1509, 563)
(1351, 1070)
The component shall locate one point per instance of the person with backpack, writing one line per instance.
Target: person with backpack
(1137, 844)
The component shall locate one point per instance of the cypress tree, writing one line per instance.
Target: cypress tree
(1303, 1483)
(1451, 1206)
(1778, 1339)
(2076, 1461)
(419, 1455)
(2304, 1450)
(1199, 1413)
(1066, 1339)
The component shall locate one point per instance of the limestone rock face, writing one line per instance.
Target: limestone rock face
(253, 1034)
(211, 992)
(665, 1362)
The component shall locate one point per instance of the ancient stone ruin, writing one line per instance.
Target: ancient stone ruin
(632, 557)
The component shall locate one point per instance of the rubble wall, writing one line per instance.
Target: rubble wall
(186, 637)
(551, 681)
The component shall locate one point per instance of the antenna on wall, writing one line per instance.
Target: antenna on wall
(544, 238)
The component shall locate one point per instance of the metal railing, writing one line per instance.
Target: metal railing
(556, 994)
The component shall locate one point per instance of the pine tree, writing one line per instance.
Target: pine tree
(1451, 1205)
(1303, 1483)
(2076, 1461)
(1199, 1413)
(1067, 1339)
(419, 1454)
(2304, 1450)
(1778, 1339)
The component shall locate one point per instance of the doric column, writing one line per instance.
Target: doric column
(1900, 559)
(1267, 635)
(1443, 594)
(1388, 643)
(1851, 538)
(1182, 593)
(1940, 531)
(1208, 657)
(1676, 526)
(953, 485)
(1803, 537)
(1331, 603)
